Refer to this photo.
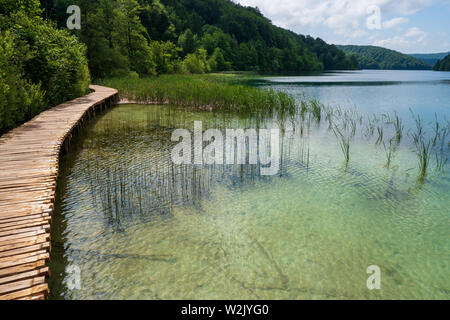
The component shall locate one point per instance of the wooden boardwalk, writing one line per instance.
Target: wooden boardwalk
(28, 171)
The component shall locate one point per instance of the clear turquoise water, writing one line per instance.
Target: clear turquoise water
(139, 227)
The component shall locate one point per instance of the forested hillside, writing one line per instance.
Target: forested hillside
(443, 65)
(371, 57)
(190, 36)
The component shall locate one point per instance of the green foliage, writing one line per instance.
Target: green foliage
(371, 57)
(120, 34)
(165, 56)
(58, 59)
(443, 65)
(187, 41)
(30, 7)
(157, 20)
(196, 62)
(40, 66)
(19, 98)
(217, 61)
(130, 33)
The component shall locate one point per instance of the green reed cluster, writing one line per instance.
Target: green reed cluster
(344, 143)
(201, 92)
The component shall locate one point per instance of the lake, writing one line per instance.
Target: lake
(131, 224)
(374, 91)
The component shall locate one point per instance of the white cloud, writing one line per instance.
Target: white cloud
(413, 38)
(414, 32)
(394, 22)
(346, 21)
(342, 17)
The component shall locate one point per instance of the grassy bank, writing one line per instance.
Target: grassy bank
(202, 92)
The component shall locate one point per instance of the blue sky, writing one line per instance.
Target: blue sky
(409, 26)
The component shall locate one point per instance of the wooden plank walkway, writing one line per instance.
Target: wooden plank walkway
(29, 158)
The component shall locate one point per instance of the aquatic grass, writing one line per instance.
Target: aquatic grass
(398, 126)
(370, 128)
(437, 130)
(389, 151)
(380, 131)
(423, 147)
(344, 143)
(423, 151)
(441, 161)
(303, 107)
(419, 129)
(201, 92)
(316, 109)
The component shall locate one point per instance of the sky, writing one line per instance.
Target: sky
(408, 26)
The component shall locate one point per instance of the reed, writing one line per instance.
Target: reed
(389, 151)
(398, 126)
(441, 161)
(316, 109)
(344, 143)
(201, 92)
(380, 131)
(423, 151)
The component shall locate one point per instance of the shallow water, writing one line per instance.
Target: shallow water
(138, 227)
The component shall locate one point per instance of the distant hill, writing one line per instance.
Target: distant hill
(443, 65)
(371, 57)
(430, 58)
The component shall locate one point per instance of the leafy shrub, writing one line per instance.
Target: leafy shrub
(196, 62)
(40, 66)
(20, 99)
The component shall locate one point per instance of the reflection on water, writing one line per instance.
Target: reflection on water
(139, 227)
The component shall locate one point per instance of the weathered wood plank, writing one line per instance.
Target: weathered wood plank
(9, 262)
(42, 288)
(22, 268)
(25, 275)
(26, 249)
(29, 165)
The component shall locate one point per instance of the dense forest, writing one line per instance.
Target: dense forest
(371, 57)
(150, 37)
(443, 65)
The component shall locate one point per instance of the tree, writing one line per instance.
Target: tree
(40, 65)
(131, 34)
(188, 42)
(196, 62)
(442, 65)
(165, 56)
(217, 62)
